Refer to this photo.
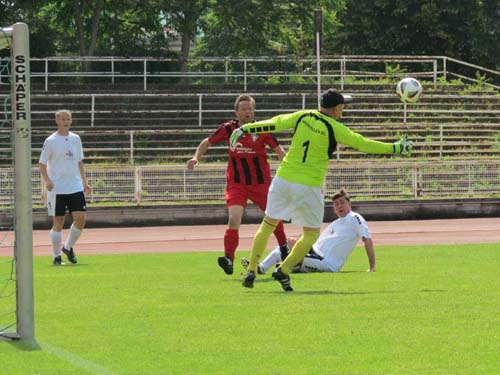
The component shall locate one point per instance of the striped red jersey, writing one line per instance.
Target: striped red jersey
(247, 163)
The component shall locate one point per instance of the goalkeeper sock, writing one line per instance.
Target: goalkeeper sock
(259, 244)
(231, 240)
(301, 248)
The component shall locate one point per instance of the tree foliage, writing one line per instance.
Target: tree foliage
(463, 29)
(262, 27)
(183, 17)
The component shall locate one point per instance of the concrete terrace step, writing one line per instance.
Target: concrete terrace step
(137, 85)
(444, 122)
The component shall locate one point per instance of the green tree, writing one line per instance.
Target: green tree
(94, 27)
(262, 27)
(463, 29)
(485, 45)
(41, 38)
(132, 28)
(75, 24)
(183, 17)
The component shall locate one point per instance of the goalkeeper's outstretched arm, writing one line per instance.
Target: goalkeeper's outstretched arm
(275, 124)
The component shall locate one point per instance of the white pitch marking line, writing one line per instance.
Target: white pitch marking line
(90, 366)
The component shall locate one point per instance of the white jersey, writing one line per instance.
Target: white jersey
(337, 241)
(62, 154)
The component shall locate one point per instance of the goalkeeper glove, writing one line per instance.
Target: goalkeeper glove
(403, 146)
(235, 136)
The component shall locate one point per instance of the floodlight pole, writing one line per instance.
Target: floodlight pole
(21, 135)
(318, 25)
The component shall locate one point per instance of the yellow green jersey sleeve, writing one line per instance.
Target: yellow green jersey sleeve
(313, 144)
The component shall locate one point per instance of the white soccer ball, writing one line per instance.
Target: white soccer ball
(409, 90)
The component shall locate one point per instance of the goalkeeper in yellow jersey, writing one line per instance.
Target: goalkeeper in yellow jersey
(296, 190)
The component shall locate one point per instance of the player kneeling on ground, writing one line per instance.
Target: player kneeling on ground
(330, 252)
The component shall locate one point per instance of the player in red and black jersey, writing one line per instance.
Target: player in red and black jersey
(248, 175)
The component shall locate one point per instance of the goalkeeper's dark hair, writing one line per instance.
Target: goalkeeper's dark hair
(341, 194)
(244, 98)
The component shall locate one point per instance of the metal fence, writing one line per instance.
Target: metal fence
(364, 180)
(136, 128)
(144, 71)
(103, 104)
(201, 107)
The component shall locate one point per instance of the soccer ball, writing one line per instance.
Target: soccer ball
(409, 90)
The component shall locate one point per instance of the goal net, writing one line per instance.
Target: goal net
(16, 237)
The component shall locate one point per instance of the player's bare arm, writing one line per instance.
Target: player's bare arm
(280, 152)
(200, 151)
(48, 182)
(86, 187)
(370, 252)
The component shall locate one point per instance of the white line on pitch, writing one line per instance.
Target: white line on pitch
(90, 366)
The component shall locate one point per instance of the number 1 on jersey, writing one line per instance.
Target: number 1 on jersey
(306, 148)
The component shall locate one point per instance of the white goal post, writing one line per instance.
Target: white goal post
(16, 38)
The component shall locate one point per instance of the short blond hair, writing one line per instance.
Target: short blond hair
(61, 111)
(244, 98)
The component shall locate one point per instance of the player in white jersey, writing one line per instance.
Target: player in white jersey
(61, 167)
(336, 242)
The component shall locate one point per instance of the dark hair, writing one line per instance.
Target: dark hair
(341, 194)
(331, 98)
(244, 98)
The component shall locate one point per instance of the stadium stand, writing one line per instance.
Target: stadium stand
(137, 141)
(141, 128)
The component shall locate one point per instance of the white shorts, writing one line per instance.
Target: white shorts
(303, 205)
(314, 265)
(51, 202)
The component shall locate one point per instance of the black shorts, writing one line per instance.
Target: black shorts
(74, 202)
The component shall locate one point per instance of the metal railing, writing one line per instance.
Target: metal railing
(238, 70)
(364, 180)
(96, 101)
(92, 105)
(431, 141)
(245, 70)
(434, 133)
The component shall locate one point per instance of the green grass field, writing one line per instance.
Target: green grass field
(427, 310)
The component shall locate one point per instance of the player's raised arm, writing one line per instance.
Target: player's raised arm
(355, 140)
(275, 124)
